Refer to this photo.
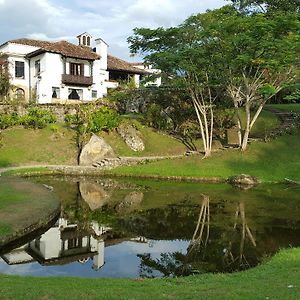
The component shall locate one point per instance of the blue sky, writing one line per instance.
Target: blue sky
(112, 20)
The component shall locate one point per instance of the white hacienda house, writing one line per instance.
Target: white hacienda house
(61, 72)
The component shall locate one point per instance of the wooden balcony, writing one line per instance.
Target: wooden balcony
(77, 80)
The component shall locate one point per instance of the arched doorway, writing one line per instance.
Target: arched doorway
(20, 94)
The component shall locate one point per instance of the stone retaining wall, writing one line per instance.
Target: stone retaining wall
(58, 109)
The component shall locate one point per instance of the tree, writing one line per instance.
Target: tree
(4, 77)
(260, 67)
(176, 51)
(230, 48)
(267, 5)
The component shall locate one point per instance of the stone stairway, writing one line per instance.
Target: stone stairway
(289, 121)
(110, 163)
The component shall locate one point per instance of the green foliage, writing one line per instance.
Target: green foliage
(37, 118)
(223, 120)
(156, 118)
(294, 97)
(103, 119)
(266, 5)
(4, 78)
(8, 120)
(95, 119)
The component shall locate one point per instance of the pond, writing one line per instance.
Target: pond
(126, 228)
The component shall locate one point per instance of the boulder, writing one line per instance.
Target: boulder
(233, 136)
(131, 201)
(244, 180)
(131, 137)
(93, 194)
(95, 150)
(216, 145)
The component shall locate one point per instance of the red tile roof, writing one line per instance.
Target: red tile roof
(63, 47)
(117, 64)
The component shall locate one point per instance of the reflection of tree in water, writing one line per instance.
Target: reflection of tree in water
(177, 263)
(205, 254)
(241, 230)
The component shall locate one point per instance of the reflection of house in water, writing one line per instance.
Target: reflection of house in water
(62, 244)
(18, 256)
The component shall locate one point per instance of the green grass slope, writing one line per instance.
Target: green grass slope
(272, 161)
(277, 279)
(23, 204)
(51, 145)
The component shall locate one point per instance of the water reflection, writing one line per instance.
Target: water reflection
(121, 229)
(62, 244)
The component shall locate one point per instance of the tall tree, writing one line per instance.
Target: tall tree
(4, 77)
(229, 47)
(267, 5)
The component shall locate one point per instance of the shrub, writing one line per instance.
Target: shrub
(103, 119)
(38, 118)
(157, 118)
(8, 120)
(223, 120)
(93, 121)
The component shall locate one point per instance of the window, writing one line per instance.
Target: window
(55, 92)
(84, 40)
(19, 69)
(37, 67)
(76, 69)
(88, 41)
(94, 94)
(75, 94)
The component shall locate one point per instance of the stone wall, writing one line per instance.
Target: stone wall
(58, 109)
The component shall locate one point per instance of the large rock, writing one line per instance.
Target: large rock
(130, 202)
(95, 150)
(131, 137)
(93, 194)
(244, 180)
(233, 136)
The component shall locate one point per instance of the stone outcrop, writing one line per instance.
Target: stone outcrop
(131, 137)
(244, 180)
(233, 136)
(95, 150)
(131, 201)
(93, 194)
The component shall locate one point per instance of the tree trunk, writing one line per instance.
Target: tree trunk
(247, 129)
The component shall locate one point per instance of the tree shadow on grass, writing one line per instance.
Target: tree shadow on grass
(4, 163)
(275, 160)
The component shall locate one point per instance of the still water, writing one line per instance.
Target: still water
(110, 228)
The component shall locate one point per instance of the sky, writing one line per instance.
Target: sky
(113, 20)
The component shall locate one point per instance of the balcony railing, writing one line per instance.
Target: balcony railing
(77, 79)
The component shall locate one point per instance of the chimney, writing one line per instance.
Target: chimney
(101, 49)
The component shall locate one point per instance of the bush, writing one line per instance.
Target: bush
(37, 118)
(8, 120)
(87, 120)
(103, 119)
(223, 120)
(157, 118)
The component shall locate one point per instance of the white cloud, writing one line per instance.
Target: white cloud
(111, 20)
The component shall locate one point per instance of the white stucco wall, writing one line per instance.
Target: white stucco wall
(51, 70)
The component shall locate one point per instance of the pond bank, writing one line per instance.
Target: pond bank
(68, 170)
(276, 279)
(24, 208)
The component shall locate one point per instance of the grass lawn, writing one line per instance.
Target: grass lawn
(276, 279)
(22, 204)
(156, 143)
(272, 161)
(42, 146)
(266, 122)
(295, 107)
